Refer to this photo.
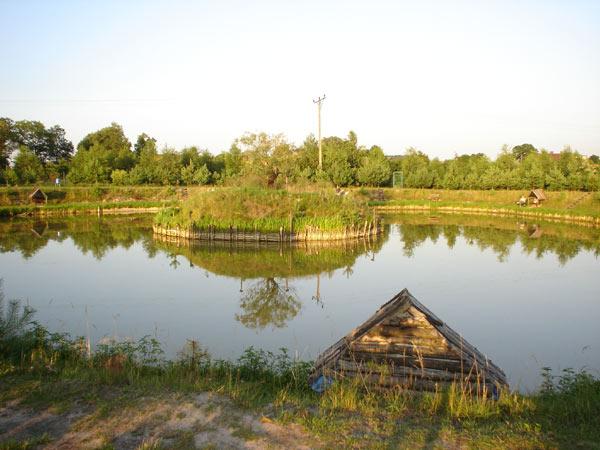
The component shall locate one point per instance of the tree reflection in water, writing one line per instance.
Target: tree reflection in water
(267, 302)
(271, 301)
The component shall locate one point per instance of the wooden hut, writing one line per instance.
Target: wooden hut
(536, 197)
(38, 196)
(405, 344)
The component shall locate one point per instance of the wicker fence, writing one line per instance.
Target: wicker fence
(369, 228)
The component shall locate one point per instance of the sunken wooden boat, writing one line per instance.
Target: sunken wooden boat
(404, 344)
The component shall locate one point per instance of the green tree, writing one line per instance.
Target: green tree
(521, 151)
(555, 180)
(90, 166)
(415, 169)
(233, 161)
(201, 175)
(142, 141)
(7, 141)
(506, 160)
(573, 167)
(453, 177)
(532, 172)
(8, 176)
(375, 168)
(308, 158)
(49, 144)
(113, 144)
(265, 157)
(169, 167)
(147, 170)
(492, 178)
(341, 158)
(28, 167)
(190, 155)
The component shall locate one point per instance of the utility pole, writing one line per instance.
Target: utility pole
(319, 101)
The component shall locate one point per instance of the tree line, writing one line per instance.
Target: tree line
(32, 153)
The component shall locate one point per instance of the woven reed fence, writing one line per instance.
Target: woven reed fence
(369, 228)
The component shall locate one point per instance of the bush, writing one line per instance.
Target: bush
(119, 177)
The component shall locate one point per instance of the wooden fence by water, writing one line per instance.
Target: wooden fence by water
(233, 234)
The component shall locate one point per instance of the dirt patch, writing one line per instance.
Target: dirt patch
(174, 421)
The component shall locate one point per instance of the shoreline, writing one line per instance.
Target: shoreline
(80, 209)
(115, 209)
(233, 234)
(480, 211)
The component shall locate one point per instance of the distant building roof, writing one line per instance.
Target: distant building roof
(38, 194)
(538, 193)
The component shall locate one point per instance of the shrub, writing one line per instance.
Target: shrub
(119, 177)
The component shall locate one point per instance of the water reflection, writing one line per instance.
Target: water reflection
(98, 236)
(99, 273)
(89, 234)
(268, 303)
(266, 272)
(498, 234)
(260, 260)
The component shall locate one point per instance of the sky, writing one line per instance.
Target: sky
(443, 77)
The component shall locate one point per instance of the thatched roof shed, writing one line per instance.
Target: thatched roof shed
(38, 196)
(537, 194)
(405, 344)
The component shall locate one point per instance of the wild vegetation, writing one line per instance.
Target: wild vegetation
(14, 200)
(31, 153)
(266, 210)
(59, 375)
(558, 204)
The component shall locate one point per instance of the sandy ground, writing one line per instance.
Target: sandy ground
(176, 421)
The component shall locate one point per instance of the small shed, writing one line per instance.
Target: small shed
(38, 196)
(536, 197)
(404, 344)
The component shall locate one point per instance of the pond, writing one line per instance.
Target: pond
(527, 294)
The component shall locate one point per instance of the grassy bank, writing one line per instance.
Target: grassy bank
(126, 390)
(313, 210)
(130, 206)
(19, 195)
(266, 210)
(87, 199)
(565, 205)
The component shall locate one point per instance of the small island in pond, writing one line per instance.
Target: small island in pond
(268, 215)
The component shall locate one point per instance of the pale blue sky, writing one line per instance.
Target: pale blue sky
(441, 76)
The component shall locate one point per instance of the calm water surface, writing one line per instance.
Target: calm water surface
(525, 294)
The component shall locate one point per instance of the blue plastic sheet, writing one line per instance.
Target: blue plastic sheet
(321, 384)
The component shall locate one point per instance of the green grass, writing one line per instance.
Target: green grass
(19, 195)
(266, 210)
(27, 444)
(564, 203)
(43, 370)
(66, 208)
